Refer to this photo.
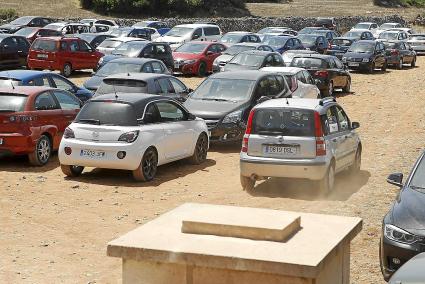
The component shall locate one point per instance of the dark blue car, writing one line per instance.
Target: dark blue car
(161, 27)
(41, 78)
(339, 46)
(284, 43)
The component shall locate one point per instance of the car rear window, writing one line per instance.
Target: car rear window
(46, 45)
(110, 43)
(99, 113)
(12, 102)
(110, 86)
(286, 122)
(309, 63)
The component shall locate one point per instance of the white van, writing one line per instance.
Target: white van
(184, 33)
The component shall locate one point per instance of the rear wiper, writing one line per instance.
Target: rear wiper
(89, 121)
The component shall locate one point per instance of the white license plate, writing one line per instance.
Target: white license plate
(281, 150)
(43, 56)
(1, 141)
(92, 154)
(354, 64)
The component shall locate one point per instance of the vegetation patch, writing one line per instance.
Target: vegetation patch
(8, 14)
(400, 3)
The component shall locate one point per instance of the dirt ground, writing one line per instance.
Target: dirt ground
(55, 230)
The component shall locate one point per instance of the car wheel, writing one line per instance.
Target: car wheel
(326, 185)
(384, 67)
(330, 91)
(347, 87)
(247, 183)
(400, 64)
(372, 68)
(413, 64)
(66, 70)
(72, 171)
(42, 152)
(148, 166)
(201, 149)
(202, 69)
(355, 168)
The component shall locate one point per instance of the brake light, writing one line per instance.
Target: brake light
(321, 74)
(320, 140)
(247, 131)
(394, 52)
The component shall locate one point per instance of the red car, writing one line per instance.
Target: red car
(196, 57)
(33, 119)
(62, 53)
(31, 33)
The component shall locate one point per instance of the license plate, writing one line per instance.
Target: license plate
(92, 154)
(43, 56)
(354, 64)
(281, 150)
(1, 141)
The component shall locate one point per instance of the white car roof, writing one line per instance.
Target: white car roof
(359, 30)
(311, 104)
(194, 26)
(288, 70)
(125, 39)
(369, 23)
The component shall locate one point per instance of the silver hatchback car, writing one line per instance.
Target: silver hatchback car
(299, 138)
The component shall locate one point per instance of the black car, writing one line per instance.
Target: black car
(22, 22)
(13, 51)
(254, 60)
(329, 35)
(93, 38)
(328, 23)
(366, 55)
(146, 49)
(339, 46)
(399, 53)
(225, 99)
(327, 70)
(314, 42)
(403, 228)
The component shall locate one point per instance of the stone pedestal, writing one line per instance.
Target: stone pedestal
(212, 244)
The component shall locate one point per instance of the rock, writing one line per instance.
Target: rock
(75, 186)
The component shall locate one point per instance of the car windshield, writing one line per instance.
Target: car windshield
(111, 68)
(220, 89)
(276, 41)
(418, 179)
(54, 26)
(21, 21)
(26, 31)
(388, 26)
(130, 49)
(287, 122)
(247, 60)
(341, 42)
(236, 49)
(309, 63)
(99, 113)
(110, 86)
(12, 102)
(391, 45)
(362, 47)
(120, 32)
(196, 48)
(388, 35)
(141, 24)
(271, 29)
(110, 43)
(231, 38)
(417, 37)
(307, 39)
(7, 83)
(362, 26)
(179, 31)
(46, 45)
(353, 34)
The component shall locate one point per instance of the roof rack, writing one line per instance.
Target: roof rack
(326, 100)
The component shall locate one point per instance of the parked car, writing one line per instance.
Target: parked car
(110, 44)
(359, 35)
(311, 30)
(125, 65)
(31, 33)
(393, 35)
(371, 26)
(290, 54)
(161, 27)
(93, 39)
(299, 138)
(384, 27)
(314, 42)
(277, 32)
(329, 35)
(144, 83)
(111, 23)
(42, 79)
(300, 82)
(328, 23)
(404, 225)
(183, 33)
(142, 49)
(196, 57)
(146, 131)
(224, 100)
(417, 42)
(66, 28)
(409, 31)
(231, 38)
(271, 30)
(284, 43)
(136, 32)
(13, 51)
(410, 272)
(33, 120)
(366, 55)
(254, 60)
(229, 53)
(22, 22)
(63, 54)
(399, 53)
(329, 72)
(339, 46)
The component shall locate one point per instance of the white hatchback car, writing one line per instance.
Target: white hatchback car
(136, 132)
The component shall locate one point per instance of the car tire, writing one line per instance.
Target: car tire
(400, 64)
(148, 166)
(355, 168)
(72, 171)
(66, 70)
(247, 183)
(413, 64)
(326, 185)
(347, 87)
(384, 67)
(371, 68)
(201, 150)
(42, 152)
(202, 69)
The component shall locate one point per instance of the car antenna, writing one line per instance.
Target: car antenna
(287, 102)
(115, 92)
(10, 79)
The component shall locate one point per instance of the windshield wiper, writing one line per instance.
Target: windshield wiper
(217, 100)
(416, 187)
(89, 121)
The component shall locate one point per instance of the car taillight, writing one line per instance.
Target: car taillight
(321, 74)
(68, 133)
(247, 131)
(320, 140)
(129, 137)
(394, 52)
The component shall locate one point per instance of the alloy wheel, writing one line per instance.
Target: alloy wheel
(43, 150)
(202, 148)
(150, 165)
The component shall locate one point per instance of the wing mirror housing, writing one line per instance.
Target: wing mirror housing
(396, 179)
(191, 116)
(355, 125)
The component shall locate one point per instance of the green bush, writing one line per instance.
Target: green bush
(7, 14)
(404, 3)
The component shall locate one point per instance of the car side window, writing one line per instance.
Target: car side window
(45, 101)
(170, 112)
(149, 50)
(269, 87)
(331, 63)
(73, 46)
(212, 48)
(197, 34)
(178, 86)
(308, 78)
(331, 122)
(11, 43)
(62, 84)
(289, 43)
(344, 123)
(160, 49)
(147, 68)
(211, 31)
(220, 47)
(157, 67)
(63, 45)
(300, 77)
(338, 63)
(40, 81)
(164, 86)
(84, 46)
(22, 44)
(269, 60)
(67, 101)
(278, 61)
(152, 114)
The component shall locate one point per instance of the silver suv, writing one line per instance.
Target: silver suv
(299, 138)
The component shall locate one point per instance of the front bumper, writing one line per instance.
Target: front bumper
(43, 64)
(358, 65)
(228, 132)
(182, 68)
(313, 169)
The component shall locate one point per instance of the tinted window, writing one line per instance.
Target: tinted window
(22, 43)
(45, 102)
(40, 81)
(62, 84)
(309, 63)
(169, 111)
(12, 102)
(85, 46)
(157, 67)
(67, 101)
(147, 68)
(73, 46)
(164, 86)
(110, 86)
(211, 31)
(11, 43)
(178, 86)
(160, 49)
(287, 122)
(344, 123)
(97, 112)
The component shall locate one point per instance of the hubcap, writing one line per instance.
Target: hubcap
(43, 151)
(67, 69)
(201, 149)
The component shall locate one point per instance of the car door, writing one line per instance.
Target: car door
(8, 52)
(349, 143)
(23, 47)
(342, 73)
(334, 141)
(404, 52)
(87, 55)
(178, 130)
(70, 106)
(334, 72)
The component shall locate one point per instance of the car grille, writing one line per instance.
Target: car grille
(211, 124)
(352, 59)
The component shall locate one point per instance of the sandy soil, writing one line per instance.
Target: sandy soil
(55, 230)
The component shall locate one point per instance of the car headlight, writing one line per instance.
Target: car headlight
(233, 117)
(365, 59)
(399, 235)
(190, 61)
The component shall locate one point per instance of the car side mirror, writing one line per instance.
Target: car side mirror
(355, 125)
(196, 36)
(191, 116)
(396, 179)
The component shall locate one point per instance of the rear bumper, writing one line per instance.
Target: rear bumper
(313, 169)
(16, 144)
(43, 64)
(392, 60)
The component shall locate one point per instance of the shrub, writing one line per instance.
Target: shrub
(7, 14)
